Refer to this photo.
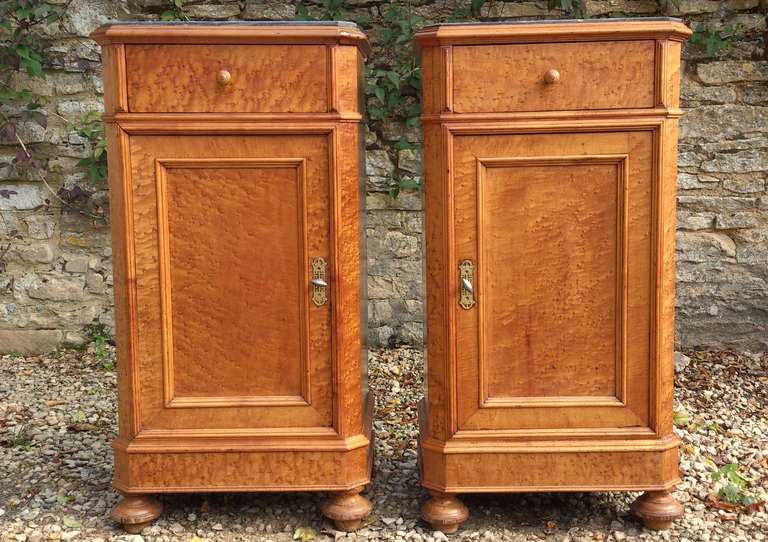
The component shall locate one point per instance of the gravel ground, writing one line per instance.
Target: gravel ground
(57, 419)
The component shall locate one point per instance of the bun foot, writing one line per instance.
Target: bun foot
(135, 528)
(348, 526)
(444, 512)
(135, 512)
(347, 509)
(657, 510)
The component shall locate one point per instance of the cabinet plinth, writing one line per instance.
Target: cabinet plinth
(235, 194)
(550, 175)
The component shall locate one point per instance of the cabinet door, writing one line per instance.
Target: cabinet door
(558, 227)
(231, 333)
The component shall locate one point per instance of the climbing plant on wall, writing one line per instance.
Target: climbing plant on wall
(23, 46)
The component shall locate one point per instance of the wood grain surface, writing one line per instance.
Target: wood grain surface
(511, 77)
(234, 235)
(196, 286)
(265, 78)
(532, 214)
(229, 378)
(547, 347)
(562, 195)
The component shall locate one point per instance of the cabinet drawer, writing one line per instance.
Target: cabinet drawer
(192, 78)
(592, 75)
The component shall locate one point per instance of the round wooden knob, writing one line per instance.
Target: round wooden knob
(552, 77)
(223, 78)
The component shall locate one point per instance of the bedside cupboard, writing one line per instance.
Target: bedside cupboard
(235, 190)
(550, 160)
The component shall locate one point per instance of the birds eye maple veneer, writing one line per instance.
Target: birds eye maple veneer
(550, 158)
(235, 206)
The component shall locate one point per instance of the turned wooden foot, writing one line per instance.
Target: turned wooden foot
(347, 509)
(444, 512)
(135, 512)
(657, 510)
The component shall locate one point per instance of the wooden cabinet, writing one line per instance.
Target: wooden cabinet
(235, 207)
(550, 156)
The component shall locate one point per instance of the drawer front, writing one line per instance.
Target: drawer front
(192, 78)
(594, 75)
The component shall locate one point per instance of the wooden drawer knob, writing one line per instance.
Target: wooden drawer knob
(552, 77)
(224, 78)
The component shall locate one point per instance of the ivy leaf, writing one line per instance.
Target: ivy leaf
(380, 93)
(394, 78)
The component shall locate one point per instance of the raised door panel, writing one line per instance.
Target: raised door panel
(558, 228)
(233, 244)
(226, 231)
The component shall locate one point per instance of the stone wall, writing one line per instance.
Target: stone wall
(58, 277)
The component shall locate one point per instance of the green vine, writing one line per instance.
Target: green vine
(332, 10)
(21, 51)
(712, 40)
(23, 45)
(396, 83)
(175, 12)
(91, 128)
(463, 10)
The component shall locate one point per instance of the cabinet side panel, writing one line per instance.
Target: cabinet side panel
(665, 277)
(346, 279)
(121, 223)
(437, 269)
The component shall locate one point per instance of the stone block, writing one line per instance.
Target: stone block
(378, 163)
(716, 203)
(218, 11)
(409, 200)
(22, 196)
(704, 247)
(94, 283)
(71, 83)
(76, 263)
(731, 71)
(694, 7)
(24, 341)
(736, 5)
(745, 184)
(688, 181)
(85, 16)
(57, 288)
(410, 160)
(511, 10)
(40, 227)
(695, 221)
(603, 7)
(729, 121)
(747, 23)
(738, 162)
(400, 245)
(74, 109)
(33, 253)
(693, 91)
(270, 10)
(733, 221)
